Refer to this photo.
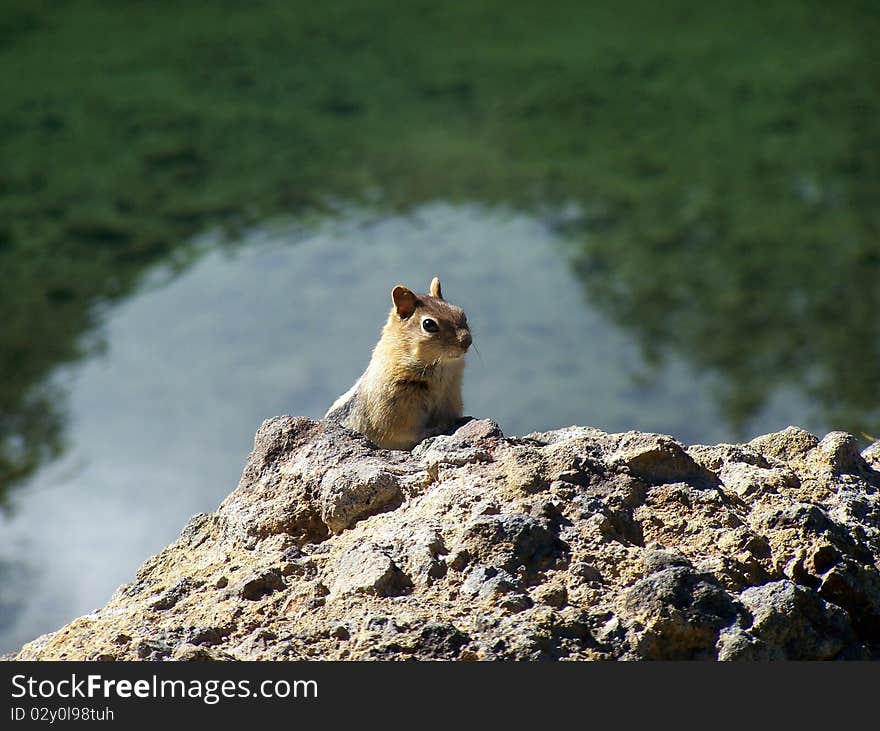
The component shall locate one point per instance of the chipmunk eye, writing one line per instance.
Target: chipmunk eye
(429, 325)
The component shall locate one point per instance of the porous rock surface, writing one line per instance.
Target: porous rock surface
(566, 545)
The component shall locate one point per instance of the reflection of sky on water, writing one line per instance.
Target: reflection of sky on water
(160, 424)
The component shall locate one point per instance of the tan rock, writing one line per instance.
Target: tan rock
(570, 544)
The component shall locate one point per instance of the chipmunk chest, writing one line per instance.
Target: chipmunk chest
(418, 400)
(412, 395)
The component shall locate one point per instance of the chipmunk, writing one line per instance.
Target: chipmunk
(412, 387)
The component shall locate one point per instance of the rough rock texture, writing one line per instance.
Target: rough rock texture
(572, 544)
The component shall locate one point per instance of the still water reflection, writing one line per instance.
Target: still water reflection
(160, 421)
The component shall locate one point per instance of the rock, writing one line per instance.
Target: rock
(169, 597)
(353, 491)
(658, 458)
(477, 431)
(871, 455)
(318, 489)
(569, 544)
(841, 452)
(791, 622)
(524, 469)
(367, 570)
(441, 640)
(487, 583)
(513, 540)
(192, 653)
(552, 595)
(585, 571)
(785, 445)
(659, 559)
(258, 585)
(678, 614)
(203, 635)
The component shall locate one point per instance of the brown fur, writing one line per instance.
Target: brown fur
(412, 386)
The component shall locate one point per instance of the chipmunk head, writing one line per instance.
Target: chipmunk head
(433, 329)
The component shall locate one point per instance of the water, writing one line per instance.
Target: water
(663, 217)
(162, 419)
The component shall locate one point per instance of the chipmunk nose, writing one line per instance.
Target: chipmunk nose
(464, 339)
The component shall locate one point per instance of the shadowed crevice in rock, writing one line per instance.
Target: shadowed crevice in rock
(571, 544)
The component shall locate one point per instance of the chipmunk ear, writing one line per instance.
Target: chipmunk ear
(435, 289)
(404, 299)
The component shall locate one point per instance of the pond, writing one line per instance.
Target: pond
(652, 225)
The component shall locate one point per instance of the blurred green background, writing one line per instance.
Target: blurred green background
(706, 178)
